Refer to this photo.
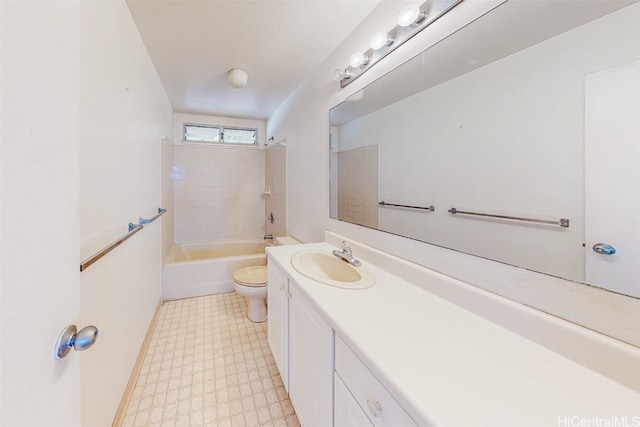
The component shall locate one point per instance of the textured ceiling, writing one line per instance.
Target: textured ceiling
(279, 43)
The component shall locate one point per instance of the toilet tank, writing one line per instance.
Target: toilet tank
(287, 240)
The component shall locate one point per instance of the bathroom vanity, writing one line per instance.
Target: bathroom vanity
(421, 348)
(302, 345)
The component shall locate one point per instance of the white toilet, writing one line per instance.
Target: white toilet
(251, 282)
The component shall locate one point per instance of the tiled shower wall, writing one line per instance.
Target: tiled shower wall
(276, 185)
(166, 196)
(218, 192)
(358, 186)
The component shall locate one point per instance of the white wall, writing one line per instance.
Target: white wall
(218, 188)
(303, 120)
(1, 119)
(124, 115)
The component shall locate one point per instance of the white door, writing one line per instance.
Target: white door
(39, 252)
(612, 178)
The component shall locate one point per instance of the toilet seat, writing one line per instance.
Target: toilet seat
(254, 276)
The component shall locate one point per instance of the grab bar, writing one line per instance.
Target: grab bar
(428, 208)
(562, 222)
(133, 229)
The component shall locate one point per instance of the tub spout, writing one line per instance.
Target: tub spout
(268, 237)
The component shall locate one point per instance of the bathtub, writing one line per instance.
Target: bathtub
(204, 268)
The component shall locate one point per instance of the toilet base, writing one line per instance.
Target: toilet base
(256, 301)
(257, 309)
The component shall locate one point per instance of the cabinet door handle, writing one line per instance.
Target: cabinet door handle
(374, 407)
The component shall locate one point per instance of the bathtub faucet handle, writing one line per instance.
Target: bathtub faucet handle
(268, 237)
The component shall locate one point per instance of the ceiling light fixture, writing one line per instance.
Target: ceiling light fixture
(237, 78)
(411, 20)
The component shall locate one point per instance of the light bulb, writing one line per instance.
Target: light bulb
(380, 40)
(358, 59)
(410, 15)
(340, 74)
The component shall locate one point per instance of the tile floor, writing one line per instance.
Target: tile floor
(208, 365)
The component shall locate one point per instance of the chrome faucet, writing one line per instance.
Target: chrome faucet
(268, 237)
(346, 254)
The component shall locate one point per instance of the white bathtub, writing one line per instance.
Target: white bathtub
(204, 268)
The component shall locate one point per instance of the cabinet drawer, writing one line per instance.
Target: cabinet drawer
(379, 406)
(347, 412)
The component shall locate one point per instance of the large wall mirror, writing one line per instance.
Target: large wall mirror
(517, 139)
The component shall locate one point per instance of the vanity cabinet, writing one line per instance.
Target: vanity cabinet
(310, 362)
(375, 404)
(302, 346)
(347, 412)
(350, 359)
(277, 319)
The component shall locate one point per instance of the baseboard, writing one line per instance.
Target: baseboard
(128, 391)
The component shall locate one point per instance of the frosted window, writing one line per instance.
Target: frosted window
(218, 134)
(240, 136)
(202, 133)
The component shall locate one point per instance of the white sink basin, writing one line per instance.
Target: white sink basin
(324, 267)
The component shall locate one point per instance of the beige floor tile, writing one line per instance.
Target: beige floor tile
(208, 365)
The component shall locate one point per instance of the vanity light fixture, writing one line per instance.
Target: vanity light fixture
(411, 15)
(380, 40)
(411, 20)
(358, 59)
(341, 74)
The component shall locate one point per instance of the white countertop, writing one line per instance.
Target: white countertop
(449, 366)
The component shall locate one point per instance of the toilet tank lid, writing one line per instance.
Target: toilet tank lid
(287, 240)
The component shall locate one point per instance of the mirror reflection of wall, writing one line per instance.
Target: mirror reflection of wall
(506, 138)
(357, 188)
